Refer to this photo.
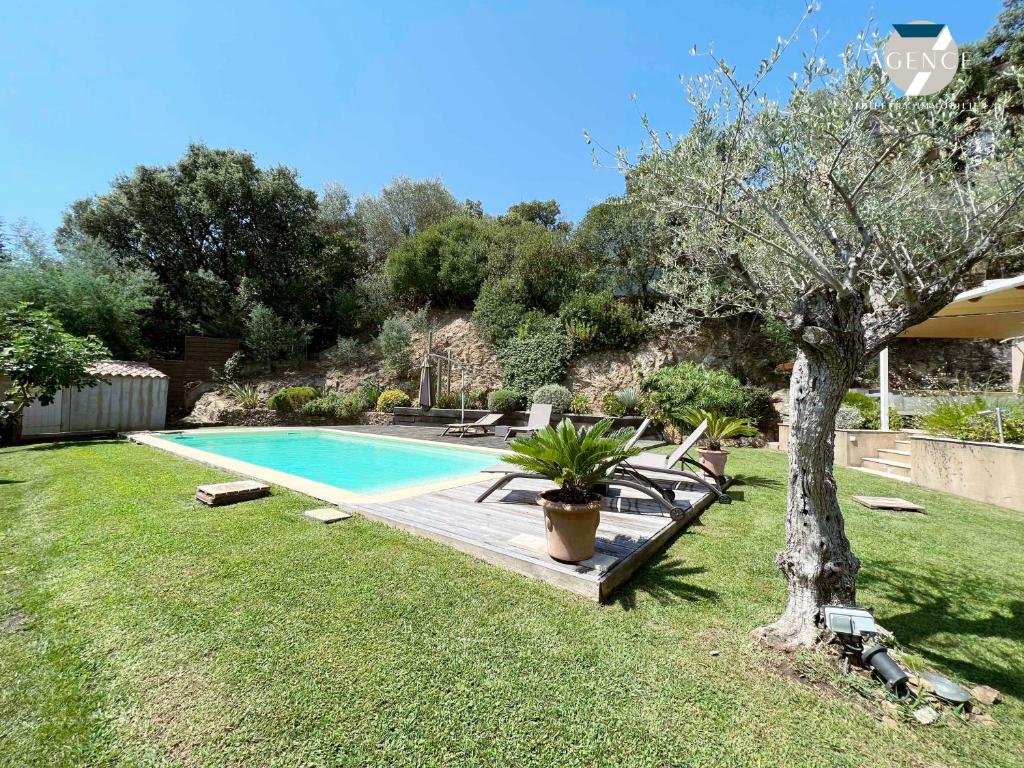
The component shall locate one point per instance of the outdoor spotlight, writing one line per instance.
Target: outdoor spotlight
(850, 621)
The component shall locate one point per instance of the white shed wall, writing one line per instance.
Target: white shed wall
(125, 403)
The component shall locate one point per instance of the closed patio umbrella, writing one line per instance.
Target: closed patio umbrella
(426, 393)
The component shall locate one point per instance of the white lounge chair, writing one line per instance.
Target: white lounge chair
(540, 417)
(480, 426)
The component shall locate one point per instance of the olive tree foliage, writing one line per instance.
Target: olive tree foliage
(848, 212)
(403, 208)
(82, 286)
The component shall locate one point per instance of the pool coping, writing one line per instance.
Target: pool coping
(317, 490)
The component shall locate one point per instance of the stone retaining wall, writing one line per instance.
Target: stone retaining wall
(989, 472)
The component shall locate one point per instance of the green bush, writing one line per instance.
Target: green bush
(452, 400)
(394, 342)
(291, 399)
(693, 385)
(555, 395)
(370, 392)
(344, 408)
(504, 401)
(445, 263)
(579, 404)
(613, 324)
(612, 406)
(537, 322)
(871, 409)
(500, 308)
(392, 398)
(477, 396)
(529, 363)
(849, 417)
(962, 420)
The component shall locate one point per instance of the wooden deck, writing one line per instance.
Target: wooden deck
(508, 528)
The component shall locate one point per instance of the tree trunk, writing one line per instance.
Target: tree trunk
(817, 561)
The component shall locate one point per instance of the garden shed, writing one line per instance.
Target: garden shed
(131, 396)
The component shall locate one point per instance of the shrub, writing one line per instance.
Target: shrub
(537, 322)
(693, 385)
(532, 362)
(871, 409)
(849, 417)
(503, 401)
(500, 308)
(392, 398)
(451, 400)
(370, 392)
(630, 400)
(374, 301)
(760, 407)
(963, 420)
(395, 345)
(244, 395)
(291, 399)
(612, 406)
(344, 408)
(270, 338)
(345, 352)
(579, 404)
(446, 262)
(614, 324)
(477, 396)
(233, 366)
(555, 395)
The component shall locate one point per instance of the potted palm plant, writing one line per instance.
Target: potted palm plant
(720, 428)
(576, 460)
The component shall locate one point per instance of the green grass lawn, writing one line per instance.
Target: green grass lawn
(138, 628)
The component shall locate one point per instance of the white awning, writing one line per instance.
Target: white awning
(993, 310)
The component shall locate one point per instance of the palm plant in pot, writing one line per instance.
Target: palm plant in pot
(577, 461)
(720, 428)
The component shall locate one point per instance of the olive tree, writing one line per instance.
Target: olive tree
(848, 212)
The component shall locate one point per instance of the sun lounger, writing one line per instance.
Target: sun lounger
(480, 426)
(540, 417)
(643, 477)
(650, 467)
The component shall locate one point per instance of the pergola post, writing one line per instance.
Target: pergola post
(1016, 364)
(883, 382)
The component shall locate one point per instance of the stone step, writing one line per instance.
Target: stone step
(902, 442)
(893, 453)
(888, 466)
(877, 473)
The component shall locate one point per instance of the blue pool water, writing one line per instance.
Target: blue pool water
(356, 463)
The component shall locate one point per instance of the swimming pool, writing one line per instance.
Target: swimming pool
(357, 465)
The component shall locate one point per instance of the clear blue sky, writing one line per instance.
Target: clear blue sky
(492, 97)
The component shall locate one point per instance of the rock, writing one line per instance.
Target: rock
(926, 715)
(714, 653)
(891, 708)
(982, 719)
(985, 695)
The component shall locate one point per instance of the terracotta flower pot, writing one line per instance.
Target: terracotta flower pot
(713, 461)
(571, 528)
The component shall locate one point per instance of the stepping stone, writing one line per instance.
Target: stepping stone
(326, 515)
(217, 494)
(888, 502)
